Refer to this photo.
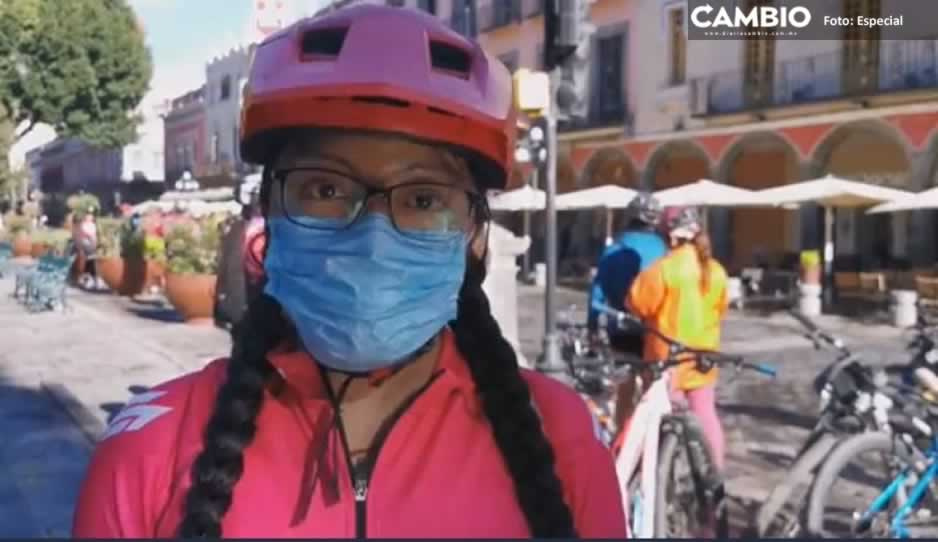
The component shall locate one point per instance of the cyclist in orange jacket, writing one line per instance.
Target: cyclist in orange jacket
(683, 295)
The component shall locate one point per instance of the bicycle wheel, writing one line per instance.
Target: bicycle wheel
(781, 513)
(690, 500)
(832, 513)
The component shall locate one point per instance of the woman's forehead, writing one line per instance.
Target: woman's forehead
(370, 155)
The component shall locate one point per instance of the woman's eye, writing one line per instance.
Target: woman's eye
(321, 190)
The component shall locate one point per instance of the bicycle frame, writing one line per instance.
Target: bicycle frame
(897, 525)
(641, 443)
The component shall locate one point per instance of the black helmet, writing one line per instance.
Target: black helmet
(645, 208)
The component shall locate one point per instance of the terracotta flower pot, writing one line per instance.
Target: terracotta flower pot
(111, 271)
(192, 295)
(37, 249)
(22, 245)
(811, 275)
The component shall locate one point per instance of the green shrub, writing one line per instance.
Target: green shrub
(193, 247)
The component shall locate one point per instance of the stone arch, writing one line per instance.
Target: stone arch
(674, 163)
(610, 165)
(872, 151)
(854, 148)
(756, 161)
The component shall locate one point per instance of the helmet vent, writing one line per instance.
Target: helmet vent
(381, 100)
(450, 59)
(322, 43)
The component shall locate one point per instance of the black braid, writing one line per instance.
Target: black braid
(506, 402)
(233, 425)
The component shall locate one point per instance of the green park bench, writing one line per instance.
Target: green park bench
(47, 289)
(6, 259)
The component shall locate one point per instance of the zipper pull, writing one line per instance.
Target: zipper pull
(361, 489)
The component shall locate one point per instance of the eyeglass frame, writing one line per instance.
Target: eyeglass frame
(479, 212)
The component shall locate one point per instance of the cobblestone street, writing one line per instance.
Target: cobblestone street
(63, 374)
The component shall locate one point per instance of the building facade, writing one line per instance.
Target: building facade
(762, 112)
(67, 165)
(185, 136)
(225, 77)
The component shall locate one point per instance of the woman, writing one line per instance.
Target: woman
(369, 391)
(683, 295)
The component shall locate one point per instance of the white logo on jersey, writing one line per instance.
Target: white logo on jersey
(136, 414)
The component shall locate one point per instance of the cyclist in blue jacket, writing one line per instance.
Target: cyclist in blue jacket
(637, 248)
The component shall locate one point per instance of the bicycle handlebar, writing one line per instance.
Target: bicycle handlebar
(680, 353)
(819, 336)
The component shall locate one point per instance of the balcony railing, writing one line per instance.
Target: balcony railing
(902, 66)
(499, 13)
(531, 8)
(604, 116)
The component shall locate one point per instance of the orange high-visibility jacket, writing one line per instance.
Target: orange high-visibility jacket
(669, 297)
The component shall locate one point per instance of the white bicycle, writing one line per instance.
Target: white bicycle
(682, 495)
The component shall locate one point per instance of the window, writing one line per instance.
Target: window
(506, 12)
(464, 17)
(225, 90)
(235, 143)
(216, 148)
(677, 40)
(427, 5)
(610, 80)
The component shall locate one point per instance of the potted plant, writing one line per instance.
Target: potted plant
(191, 251)
(49, 239)
(19, 228)
(134, 279)
(154, 256)
(81, 204)
(109, 264)
(810, 267)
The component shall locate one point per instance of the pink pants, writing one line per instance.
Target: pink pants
(703, 403)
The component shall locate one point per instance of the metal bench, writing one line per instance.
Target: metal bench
(6, 259)
(46, 290)
(24, 274)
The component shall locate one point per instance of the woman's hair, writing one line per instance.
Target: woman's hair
(704, 254)
(506, 402)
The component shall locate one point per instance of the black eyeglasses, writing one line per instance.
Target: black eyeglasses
(324, 199)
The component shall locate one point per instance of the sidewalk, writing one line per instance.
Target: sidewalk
(49, 362)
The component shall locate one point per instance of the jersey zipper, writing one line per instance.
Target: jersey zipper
(361, 477)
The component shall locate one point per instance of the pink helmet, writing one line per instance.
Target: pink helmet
(373, 67)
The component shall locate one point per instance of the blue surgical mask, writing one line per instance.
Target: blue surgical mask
(365, 297)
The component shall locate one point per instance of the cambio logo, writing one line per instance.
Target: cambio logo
(757, 17)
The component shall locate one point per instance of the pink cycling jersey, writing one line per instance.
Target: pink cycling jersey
(438, 474)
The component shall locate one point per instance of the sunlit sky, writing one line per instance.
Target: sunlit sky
(183, 35)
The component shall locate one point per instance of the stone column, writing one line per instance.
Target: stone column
(501, 285)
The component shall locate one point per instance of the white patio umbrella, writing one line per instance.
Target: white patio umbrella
(525, 198)
(209, 194)
(830, 192)
(915, 202)
(608, 197)
(707, 193)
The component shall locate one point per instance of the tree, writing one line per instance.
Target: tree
(80, 66)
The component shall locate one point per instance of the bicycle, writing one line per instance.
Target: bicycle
(661, 435)
(588, 364)
(912, 474)
(849, 404)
